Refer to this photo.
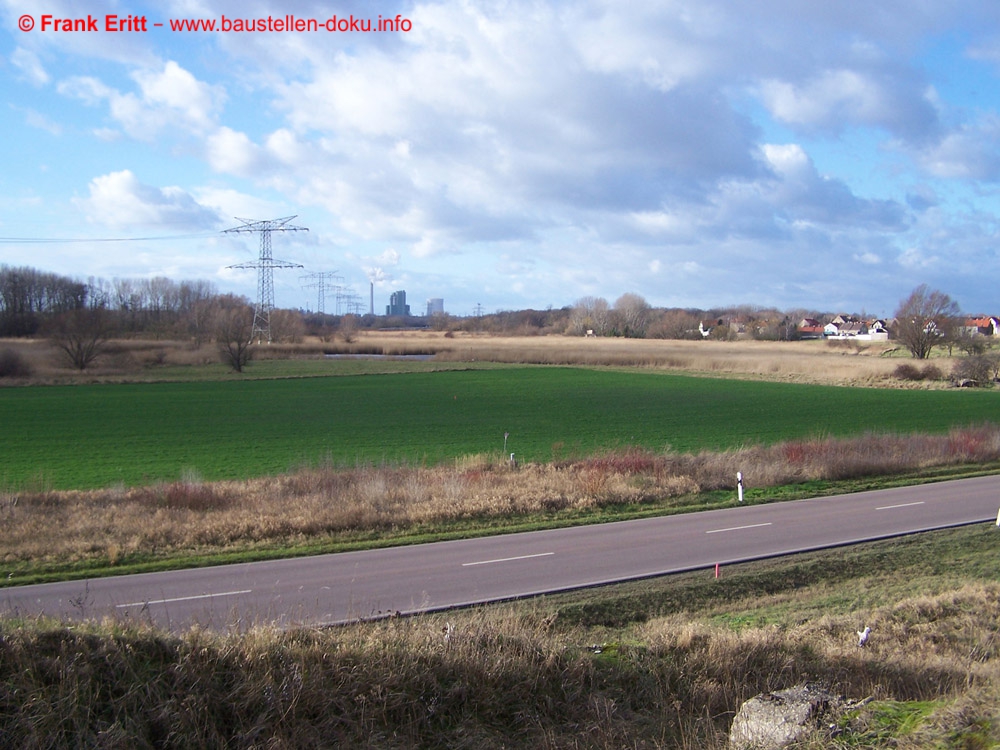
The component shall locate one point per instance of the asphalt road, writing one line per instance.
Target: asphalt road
(337, 588)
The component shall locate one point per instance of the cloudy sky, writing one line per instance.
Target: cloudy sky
(820, 155)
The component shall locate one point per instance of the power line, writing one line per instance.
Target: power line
(71, 240)
(322, 279)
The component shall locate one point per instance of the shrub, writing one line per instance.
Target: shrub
(907, 371)
(932, 372)
(976, 369)
(13, 365)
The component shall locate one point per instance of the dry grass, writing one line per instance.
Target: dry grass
(822, 362)
(852, 363)
(498, 677)
(120, 359)
(802, 361)
(325, 503)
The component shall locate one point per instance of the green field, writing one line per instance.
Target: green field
(88, 436)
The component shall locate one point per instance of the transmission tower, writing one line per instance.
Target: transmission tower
(352, 301)
(321, 283)
(265, 266)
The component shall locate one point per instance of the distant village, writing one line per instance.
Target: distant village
(842, 327)
(877, 329)
(845, 327)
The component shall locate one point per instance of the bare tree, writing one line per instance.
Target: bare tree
(81, 335)
(924, 320)
(347, 328)
(674, 324)
(201, 319)
(969, 342)
(632, 315)
(233, 332)
(287, 326)
(589, 314)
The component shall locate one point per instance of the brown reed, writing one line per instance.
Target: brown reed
(328, 502)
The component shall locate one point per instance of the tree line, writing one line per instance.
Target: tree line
(31, 300)
(76, 314)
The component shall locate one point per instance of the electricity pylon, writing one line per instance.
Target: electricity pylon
(265, 266)
(322, 283)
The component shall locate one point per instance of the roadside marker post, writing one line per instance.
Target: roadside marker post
(739, 487)
(998, 518)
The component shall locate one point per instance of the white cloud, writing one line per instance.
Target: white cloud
(867, 259)
(120, 201)
(232, 152)
(661, 44)
(913, 258)
(86, 88)
(38, 120)
(834, 100)
(30, 66)
(229, 203)
(970, 152)
(803, 195)
(170, 100)
(176, 91)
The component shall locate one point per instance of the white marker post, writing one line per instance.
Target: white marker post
(998, 518)
(739, 488)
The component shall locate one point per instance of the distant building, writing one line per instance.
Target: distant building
(983, 325)
(810, 328)
(397, 305)
(435, 306)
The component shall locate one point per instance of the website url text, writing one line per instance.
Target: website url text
(129, 23)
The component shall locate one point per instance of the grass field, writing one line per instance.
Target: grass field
(85, 436)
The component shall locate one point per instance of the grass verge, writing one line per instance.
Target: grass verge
(656, 663)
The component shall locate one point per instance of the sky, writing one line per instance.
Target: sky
(827, 156)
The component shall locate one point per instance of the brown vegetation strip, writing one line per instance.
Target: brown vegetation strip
(827, 362)
(191, 517)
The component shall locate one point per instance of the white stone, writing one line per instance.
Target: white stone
(771, 721)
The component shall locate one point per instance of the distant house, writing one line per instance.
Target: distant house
(810, 328)
(852, 329)
(860, 330)
(983, 325)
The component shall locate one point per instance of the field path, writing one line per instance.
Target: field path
(330, 589)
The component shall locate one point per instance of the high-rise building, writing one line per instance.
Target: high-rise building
(397, 304)
(435, 306)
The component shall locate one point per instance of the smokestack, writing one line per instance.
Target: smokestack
(371, 299)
